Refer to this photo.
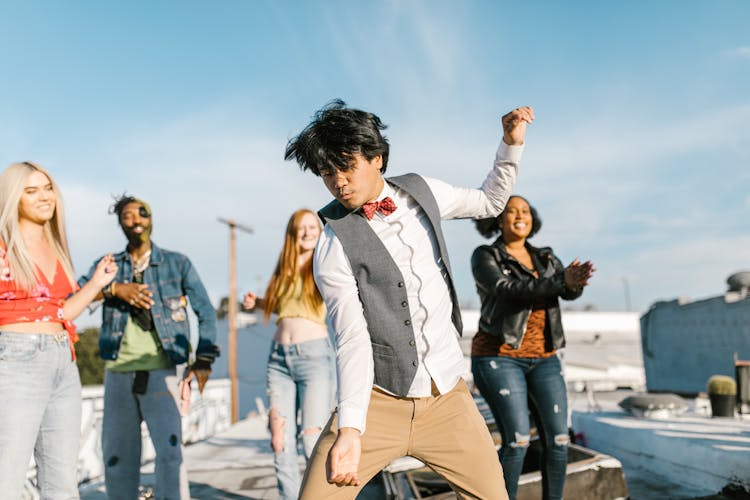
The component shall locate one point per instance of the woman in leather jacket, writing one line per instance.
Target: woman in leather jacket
(513, 354)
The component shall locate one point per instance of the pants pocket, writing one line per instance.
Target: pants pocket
(17, 351)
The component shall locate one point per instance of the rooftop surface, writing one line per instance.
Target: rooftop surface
(235, 464)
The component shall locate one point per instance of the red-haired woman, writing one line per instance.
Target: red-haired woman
(301, 373)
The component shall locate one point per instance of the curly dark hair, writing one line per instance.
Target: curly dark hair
(491, 226)
(334, 135)
(123, 200)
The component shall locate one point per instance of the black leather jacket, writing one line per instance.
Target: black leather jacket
(508, 290)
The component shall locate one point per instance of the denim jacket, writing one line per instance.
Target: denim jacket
(171, 277)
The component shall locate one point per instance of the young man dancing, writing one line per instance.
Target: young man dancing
(382, 268)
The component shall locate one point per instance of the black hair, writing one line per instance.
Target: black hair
(491, 226)
(334, 135)
(122, 201)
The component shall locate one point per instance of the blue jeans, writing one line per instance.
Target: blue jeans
(301, 379)
(41, 413)
(121, 435)
(512, 387)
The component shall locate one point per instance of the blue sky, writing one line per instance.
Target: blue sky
(639, 158)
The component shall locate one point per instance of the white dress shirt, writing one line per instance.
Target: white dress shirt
(408, 236)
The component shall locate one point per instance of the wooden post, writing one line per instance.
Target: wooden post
(232, 314)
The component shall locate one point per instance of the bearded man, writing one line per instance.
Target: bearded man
(145, 335)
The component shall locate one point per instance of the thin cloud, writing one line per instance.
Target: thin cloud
(740, 52)
(440, 38)
(613, 141)
(193, 170)
(411, 65)
(695, 268)
(591, 183)
(609, 165)
(215, 163)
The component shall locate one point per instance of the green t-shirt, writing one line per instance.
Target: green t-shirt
(140, 350)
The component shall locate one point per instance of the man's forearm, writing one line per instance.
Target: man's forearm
(355, 370)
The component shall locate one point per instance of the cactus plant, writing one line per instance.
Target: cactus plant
(721, 384)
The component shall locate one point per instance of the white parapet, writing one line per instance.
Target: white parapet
(700, 455)
(210, 413)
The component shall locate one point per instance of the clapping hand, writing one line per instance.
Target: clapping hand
(577, 274)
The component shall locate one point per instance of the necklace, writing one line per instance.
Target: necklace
(140, 263)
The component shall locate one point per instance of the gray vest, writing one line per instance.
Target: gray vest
(381, 285)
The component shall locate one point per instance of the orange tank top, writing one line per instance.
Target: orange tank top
(44, 302)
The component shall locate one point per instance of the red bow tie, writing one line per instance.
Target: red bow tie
(386, 206)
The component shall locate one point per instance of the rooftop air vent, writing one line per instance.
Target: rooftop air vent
(739, 282)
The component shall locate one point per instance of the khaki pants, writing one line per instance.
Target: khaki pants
(446, 432)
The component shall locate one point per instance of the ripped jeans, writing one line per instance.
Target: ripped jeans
(301, 381)
(512, 387)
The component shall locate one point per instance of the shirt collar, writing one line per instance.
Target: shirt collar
(387, 191)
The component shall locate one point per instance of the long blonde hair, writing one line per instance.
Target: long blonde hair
(287, 270)
(22, 269)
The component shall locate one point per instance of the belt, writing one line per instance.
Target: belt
(433, 389)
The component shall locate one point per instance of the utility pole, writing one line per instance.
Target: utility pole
(232, 312)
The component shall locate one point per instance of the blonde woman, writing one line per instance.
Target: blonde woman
(39, 385)
(301, 376)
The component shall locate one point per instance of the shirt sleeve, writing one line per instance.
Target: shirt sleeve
(86, 277)
(94, 304)
(193, 287)
(487, 201)
(354, 363)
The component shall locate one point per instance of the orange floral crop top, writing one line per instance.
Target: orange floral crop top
(43, 303)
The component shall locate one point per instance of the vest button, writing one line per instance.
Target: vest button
(412, 343)
(401, 284)
(407, 322)
(415, 362)
(404, 304)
